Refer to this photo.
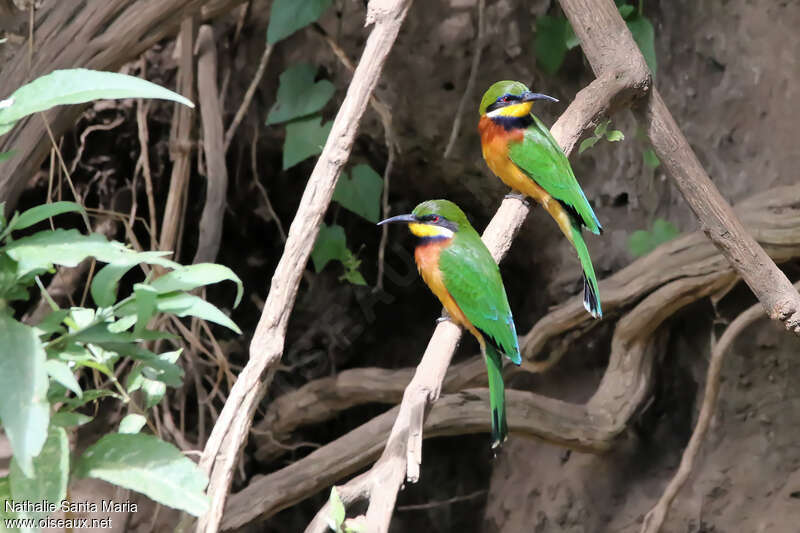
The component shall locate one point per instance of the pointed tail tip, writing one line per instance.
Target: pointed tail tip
(590, 299)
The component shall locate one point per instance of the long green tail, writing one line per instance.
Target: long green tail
(591, 295)
(497, 395)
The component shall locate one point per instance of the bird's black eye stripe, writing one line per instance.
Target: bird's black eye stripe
(430, 218)
(502, 101)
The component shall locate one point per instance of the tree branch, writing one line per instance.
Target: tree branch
(213, 147)
(266, 348)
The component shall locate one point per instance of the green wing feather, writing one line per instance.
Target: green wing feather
(541, 158)
(471, 276)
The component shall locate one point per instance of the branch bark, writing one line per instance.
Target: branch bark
(266, 348)
(213, 148)
(608, 45)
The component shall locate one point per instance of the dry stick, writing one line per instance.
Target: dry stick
(248, 96)
(210, 234)
(266, 348)
(473, 75)
(261, 188)
(180, 141)
(144, 156)
(658, 514)
(609, 46)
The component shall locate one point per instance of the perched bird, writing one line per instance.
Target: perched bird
(461, 272)
(522, 152)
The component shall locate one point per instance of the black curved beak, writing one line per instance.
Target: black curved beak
(398, 218)
(528, 96)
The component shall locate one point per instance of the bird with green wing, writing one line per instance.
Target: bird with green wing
(463, 275)
(521, 151)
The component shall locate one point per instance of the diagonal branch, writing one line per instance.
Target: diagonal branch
(609, 46)
(402, 455)
(266, 348)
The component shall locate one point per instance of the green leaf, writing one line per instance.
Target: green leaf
(615, 136)
(587, 143)
(42, 212)
(354, 277)
(331, 244)
(644, 35)
(52, 472)
(298, 95)
(304, 138)
(337, 515)
(601, 128)
(42, 250)
(153, 391)
(360, 192)
(5, 495)
(4, 156)
(625, 10)
(52, 322)
(105, 284)
(145, 301)
(148, 465)
(642, 242)
(550, 43)
(76, 86)
(650, 158)
(182, 304)
(132, 423)
(60, 372)
(90, 396)
(193, 276)
(66, 419)
(570, 39)
(288, 16)
(24, 410)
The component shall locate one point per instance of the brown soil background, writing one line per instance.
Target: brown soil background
(728, 72)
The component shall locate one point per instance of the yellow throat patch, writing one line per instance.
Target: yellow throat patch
(521, 109)
(429, 230)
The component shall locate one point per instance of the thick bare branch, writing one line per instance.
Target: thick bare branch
(233, 424)
(609, 47)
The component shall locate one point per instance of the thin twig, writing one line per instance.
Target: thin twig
(233, 425)
(473, 75)
(248, 95)
(142, 108)
(260, 187)
(442, 503)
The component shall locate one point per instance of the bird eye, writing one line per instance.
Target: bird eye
(435, 218)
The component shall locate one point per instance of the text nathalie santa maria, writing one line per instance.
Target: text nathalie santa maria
(44, 506)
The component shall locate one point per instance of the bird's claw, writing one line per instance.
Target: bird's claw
(444, 318)
(518, 196)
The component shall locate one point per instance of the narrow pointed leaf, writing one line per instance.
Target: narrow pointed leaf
(24, 410)
(193, 276)
(148, 465)
(41, 212)
(51, 468)
(76, 86)
(60, 372)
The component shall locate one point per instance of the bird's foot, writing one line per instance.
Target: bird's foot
(444, 318)
(518, 196)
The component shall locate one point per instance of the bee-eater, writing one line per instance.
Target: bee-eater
(522, 152)
(461, 272)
